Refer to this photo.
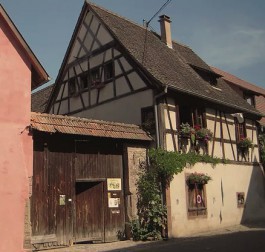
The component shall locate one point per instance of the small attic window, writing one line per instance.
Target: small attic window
(206, 75)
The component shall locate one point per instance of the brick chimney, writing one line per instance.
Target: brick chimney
(165, 30)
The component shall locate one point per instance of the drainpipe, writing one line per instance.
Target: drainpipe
(156, 115)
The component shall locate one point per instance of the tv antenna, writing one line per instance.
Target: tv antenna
(161, 8)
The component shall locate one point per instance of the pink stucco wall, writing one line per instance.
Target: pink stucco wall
(15, 143)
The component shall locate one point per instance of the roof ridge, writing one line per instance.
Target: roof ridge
(262, 90)
(181, 44)
(49, 86)
(85, 119)
(132, 22)
(92, 4)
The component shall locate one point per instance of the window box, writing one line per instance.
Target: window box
(198, 178)
(196, 194)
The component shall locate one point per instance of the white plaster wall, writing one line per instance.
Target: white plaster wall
(126, 110)
(221, 213)
(172, 116)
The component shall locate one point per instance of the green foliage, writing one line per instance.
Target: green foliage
(156, 175)
(262, 147)
(165, 164)
(245, 143)
(185, 129)
(151, 212)
(205, 134)
(195, 133)
(198, 178)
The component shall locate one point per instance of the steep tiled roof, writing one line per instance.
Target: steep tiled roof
(40, 98)
(166, 66)
(239, 82)
(190, 57)
(260, 105)
(81, 126)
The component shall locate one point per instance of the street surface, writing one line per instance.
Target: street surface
(234, 239)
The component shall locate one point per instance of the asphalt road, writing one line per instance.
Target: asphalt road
(238, 239)
(253, 241)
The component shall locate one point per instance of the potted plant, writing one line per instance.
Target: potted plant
(185, 130)
(204, 134)
(244, 144)
(198, 178)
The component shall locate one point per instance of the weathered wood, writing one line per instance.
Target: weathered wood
(43, 239)
(61, 166)
(89, 215)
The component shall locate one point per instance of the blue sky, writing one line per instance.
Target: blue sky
(228, 34)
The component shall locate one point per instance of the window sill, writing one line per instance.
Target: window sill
(192, 209)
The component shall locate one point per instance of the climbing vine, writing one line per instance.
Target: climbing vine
(262, 147)
(155, 176)
(165, 164)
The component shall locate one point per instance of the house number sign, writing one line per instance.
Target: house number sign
(199, 199)
(114, 184)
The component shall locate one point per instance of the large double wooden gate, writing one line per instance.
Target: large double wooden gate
(72, 199)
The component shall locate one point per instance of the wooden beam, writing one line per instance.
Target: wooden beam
(114, 81)
(222, 134)
(110, 100)
(92, 54)
(79, 88)
(171, 127)
(230, 137)
(214, 132)
(125, 75)
(95, 38)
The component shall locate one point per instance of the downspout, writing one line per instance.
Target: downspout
(156, 115)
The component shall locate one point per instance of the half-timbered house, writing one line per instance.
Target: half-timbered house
(117, 70)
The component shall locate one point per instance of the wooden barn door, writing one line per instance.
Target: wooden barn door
(114, 217)
(89, 221)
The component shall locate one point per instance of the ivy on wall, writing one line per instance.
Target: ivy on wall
(262, 148)
(154, 177)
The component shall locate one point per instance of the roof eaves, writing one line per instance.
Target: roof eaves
(82, 126)
(216, 101)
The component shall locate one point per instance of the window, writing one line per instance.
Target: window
(240, 196)
(240, 130)
(250, 99)
(95, 77)
(84, 81)
(192, 116)
(148, 119)
(196, 200)
(72, 90)
(109, 71)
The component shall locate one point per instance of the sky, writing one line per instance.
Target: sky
(228, 34)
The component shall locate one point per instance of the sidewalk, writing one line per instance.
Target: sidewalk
(130, 246)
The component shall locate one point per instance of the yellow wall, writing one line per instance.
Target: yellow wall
(227, 178)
